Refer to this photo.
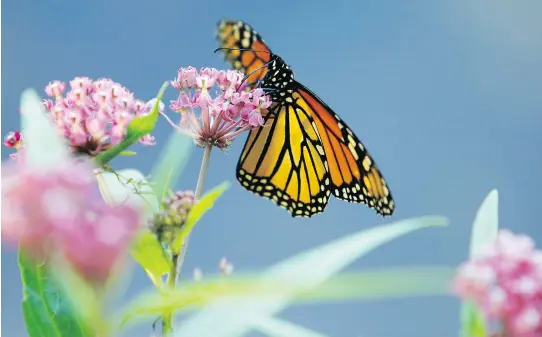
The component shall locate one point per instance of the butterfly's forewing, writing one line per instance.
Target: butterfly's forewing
(237, 35)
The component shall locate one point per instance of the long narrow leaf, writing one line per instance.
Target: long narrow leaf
(484, 232)
(486, 223)
(234, 317)
(199, 209)
(44, 146)
(354, 286)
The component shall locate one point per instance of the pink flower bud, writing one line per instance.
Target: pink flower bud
(55, 88)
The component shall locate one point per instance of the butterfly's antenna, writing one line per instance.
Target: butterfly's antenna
(253, 71)
(243, 49)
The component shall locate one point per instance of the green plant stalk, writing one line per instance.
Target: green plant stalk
(199, 192)
(167, 326)
(167, 319)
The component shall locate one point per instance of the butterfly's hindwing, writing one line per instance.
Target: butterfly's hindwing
(291, 173)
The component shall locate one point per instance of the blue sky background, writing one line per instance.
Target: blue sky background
(445, 94)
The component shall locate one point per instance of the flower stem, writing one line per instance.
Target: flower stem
(167, 320)
(199, 191)
(203, 170)
(167, 327)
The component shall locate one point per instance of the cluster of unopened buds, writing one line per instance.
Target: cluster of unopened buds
(92, 115)
(167, 223)
(225, 107)
(505, 282)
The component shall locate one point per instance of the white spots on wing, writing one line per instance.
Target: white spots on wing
(367, 162)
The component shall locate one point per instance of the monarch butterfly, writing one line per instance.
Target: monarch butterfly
(304, 151)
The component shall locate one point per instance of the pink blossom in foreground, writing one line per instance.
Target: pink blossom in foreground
(62, 213)
(93, 115)
(225, 108)
(505, 282)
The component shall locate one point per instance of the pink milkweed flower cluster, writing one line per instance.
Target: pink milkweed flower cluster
(505, 282)
(93, 115)
(226, 109)
(61, 213)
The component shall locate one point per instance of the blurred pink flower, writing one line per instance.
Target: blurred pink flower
(505, 282)
(62, 212)
(14, 140)
(222, 116)
(92, 115)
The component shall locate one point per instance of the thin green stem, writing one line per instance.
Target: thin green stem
(167, 320)
(167, 326)
(199, 191)
(203, 170)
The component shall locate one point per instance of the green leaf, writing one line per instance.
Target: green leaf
(197, 211)
(486, 224)
(171, 163)
(281, 284)
(44, 147)
(304, 272)
(235, 317)
(473, 322)
(351, 286)
(127, 153)
(47, 309)
(148, 252)
(276, 327)
(137, 128)
(484, 232)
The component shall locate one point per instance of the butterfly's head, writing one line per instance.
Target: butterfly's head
(279, 75)
(277, 63)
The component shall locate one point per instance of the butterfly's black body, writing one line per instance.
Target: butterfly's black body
(279, 77)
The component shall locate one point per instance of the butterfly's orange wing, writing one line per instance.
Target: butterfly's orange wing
(239, 35)
(353, 172)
